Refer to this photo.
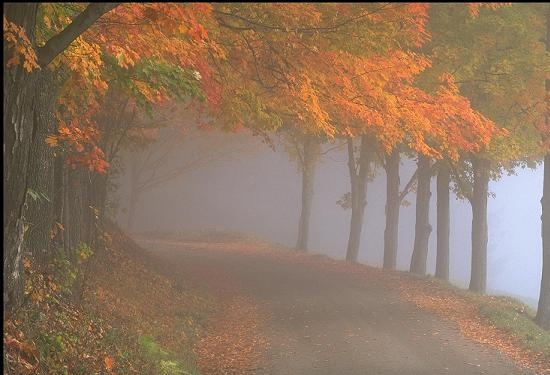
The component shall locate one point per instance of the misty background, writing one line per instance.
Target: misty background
(256, 190)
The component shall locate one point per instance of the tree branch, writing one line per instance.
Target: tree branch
(81, 23)
(408, 187)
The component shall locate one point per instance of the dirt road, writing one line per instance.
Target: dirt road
(324, 322)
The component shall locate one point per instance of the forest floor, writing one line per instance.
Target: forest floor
(217, 303)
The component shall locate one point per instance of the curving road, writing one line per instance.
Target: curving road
(323, 322)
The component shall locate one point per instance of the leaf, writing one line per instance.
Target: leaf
(109, 362)
(51, 140)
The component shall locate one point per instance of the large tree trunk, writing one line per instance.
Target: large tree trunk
(359, 175)
(443, 222)
(310, 151)
(478, 279)
(391, 233)
(39, 213)
(543, 311)
(422, 228)
(19, 125)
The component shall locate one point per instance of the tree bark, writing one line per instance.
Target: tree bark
(39, 212)
(422, 228)
(443, 222)
(19, 124)
(358, 176)
(391, 233)
(310, 151)
(478, 279)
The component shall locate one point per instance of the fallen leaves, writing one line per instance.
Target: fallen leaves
(234, 344)
(450, 305)
(425, 293)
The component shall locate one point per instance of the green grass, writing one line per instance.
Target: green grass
(165, 361)
(517, 319)
(510, 315)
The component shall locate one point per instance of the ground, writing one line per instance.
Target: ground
(312, 315)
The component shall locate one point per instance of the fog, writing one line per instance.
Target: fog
(257, 191)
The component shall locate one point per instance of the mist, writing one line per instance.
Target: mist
(257, 191)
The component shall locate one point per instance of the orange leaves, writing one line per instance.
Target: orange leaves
(473, 8)
(51, 140)
(310, 102)
(171, 35)
(109, 363)
(80, 142)
(20, 46)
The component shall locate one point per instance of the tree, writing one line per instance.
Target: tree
(359, 170)
(443, 220)
(291, 67)
(391, 236)
(20, 103)
(305, 151)
(543, 311)
(394, 200)
(503, 83)
(70, 70)
(422, 225)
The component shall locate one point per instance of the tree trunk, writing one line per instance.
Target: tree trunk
(23, 120)
(478, 279)
(19, 125)
(359, 175)
(391, 233)
(543, 311)
(39, 212)
(57, 202)
(422, 228)
(443, 222)
(311, 148)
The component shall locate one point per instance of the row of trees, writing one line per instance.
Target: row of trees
(513, 95)
(443, 82)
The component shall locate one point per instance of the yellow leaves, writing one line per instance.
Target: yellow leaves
(51, 140)
(20, 46)
(152, 95)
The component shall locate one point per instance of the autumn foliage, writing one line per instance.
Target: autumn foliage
(331, 69)
(324, 69)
